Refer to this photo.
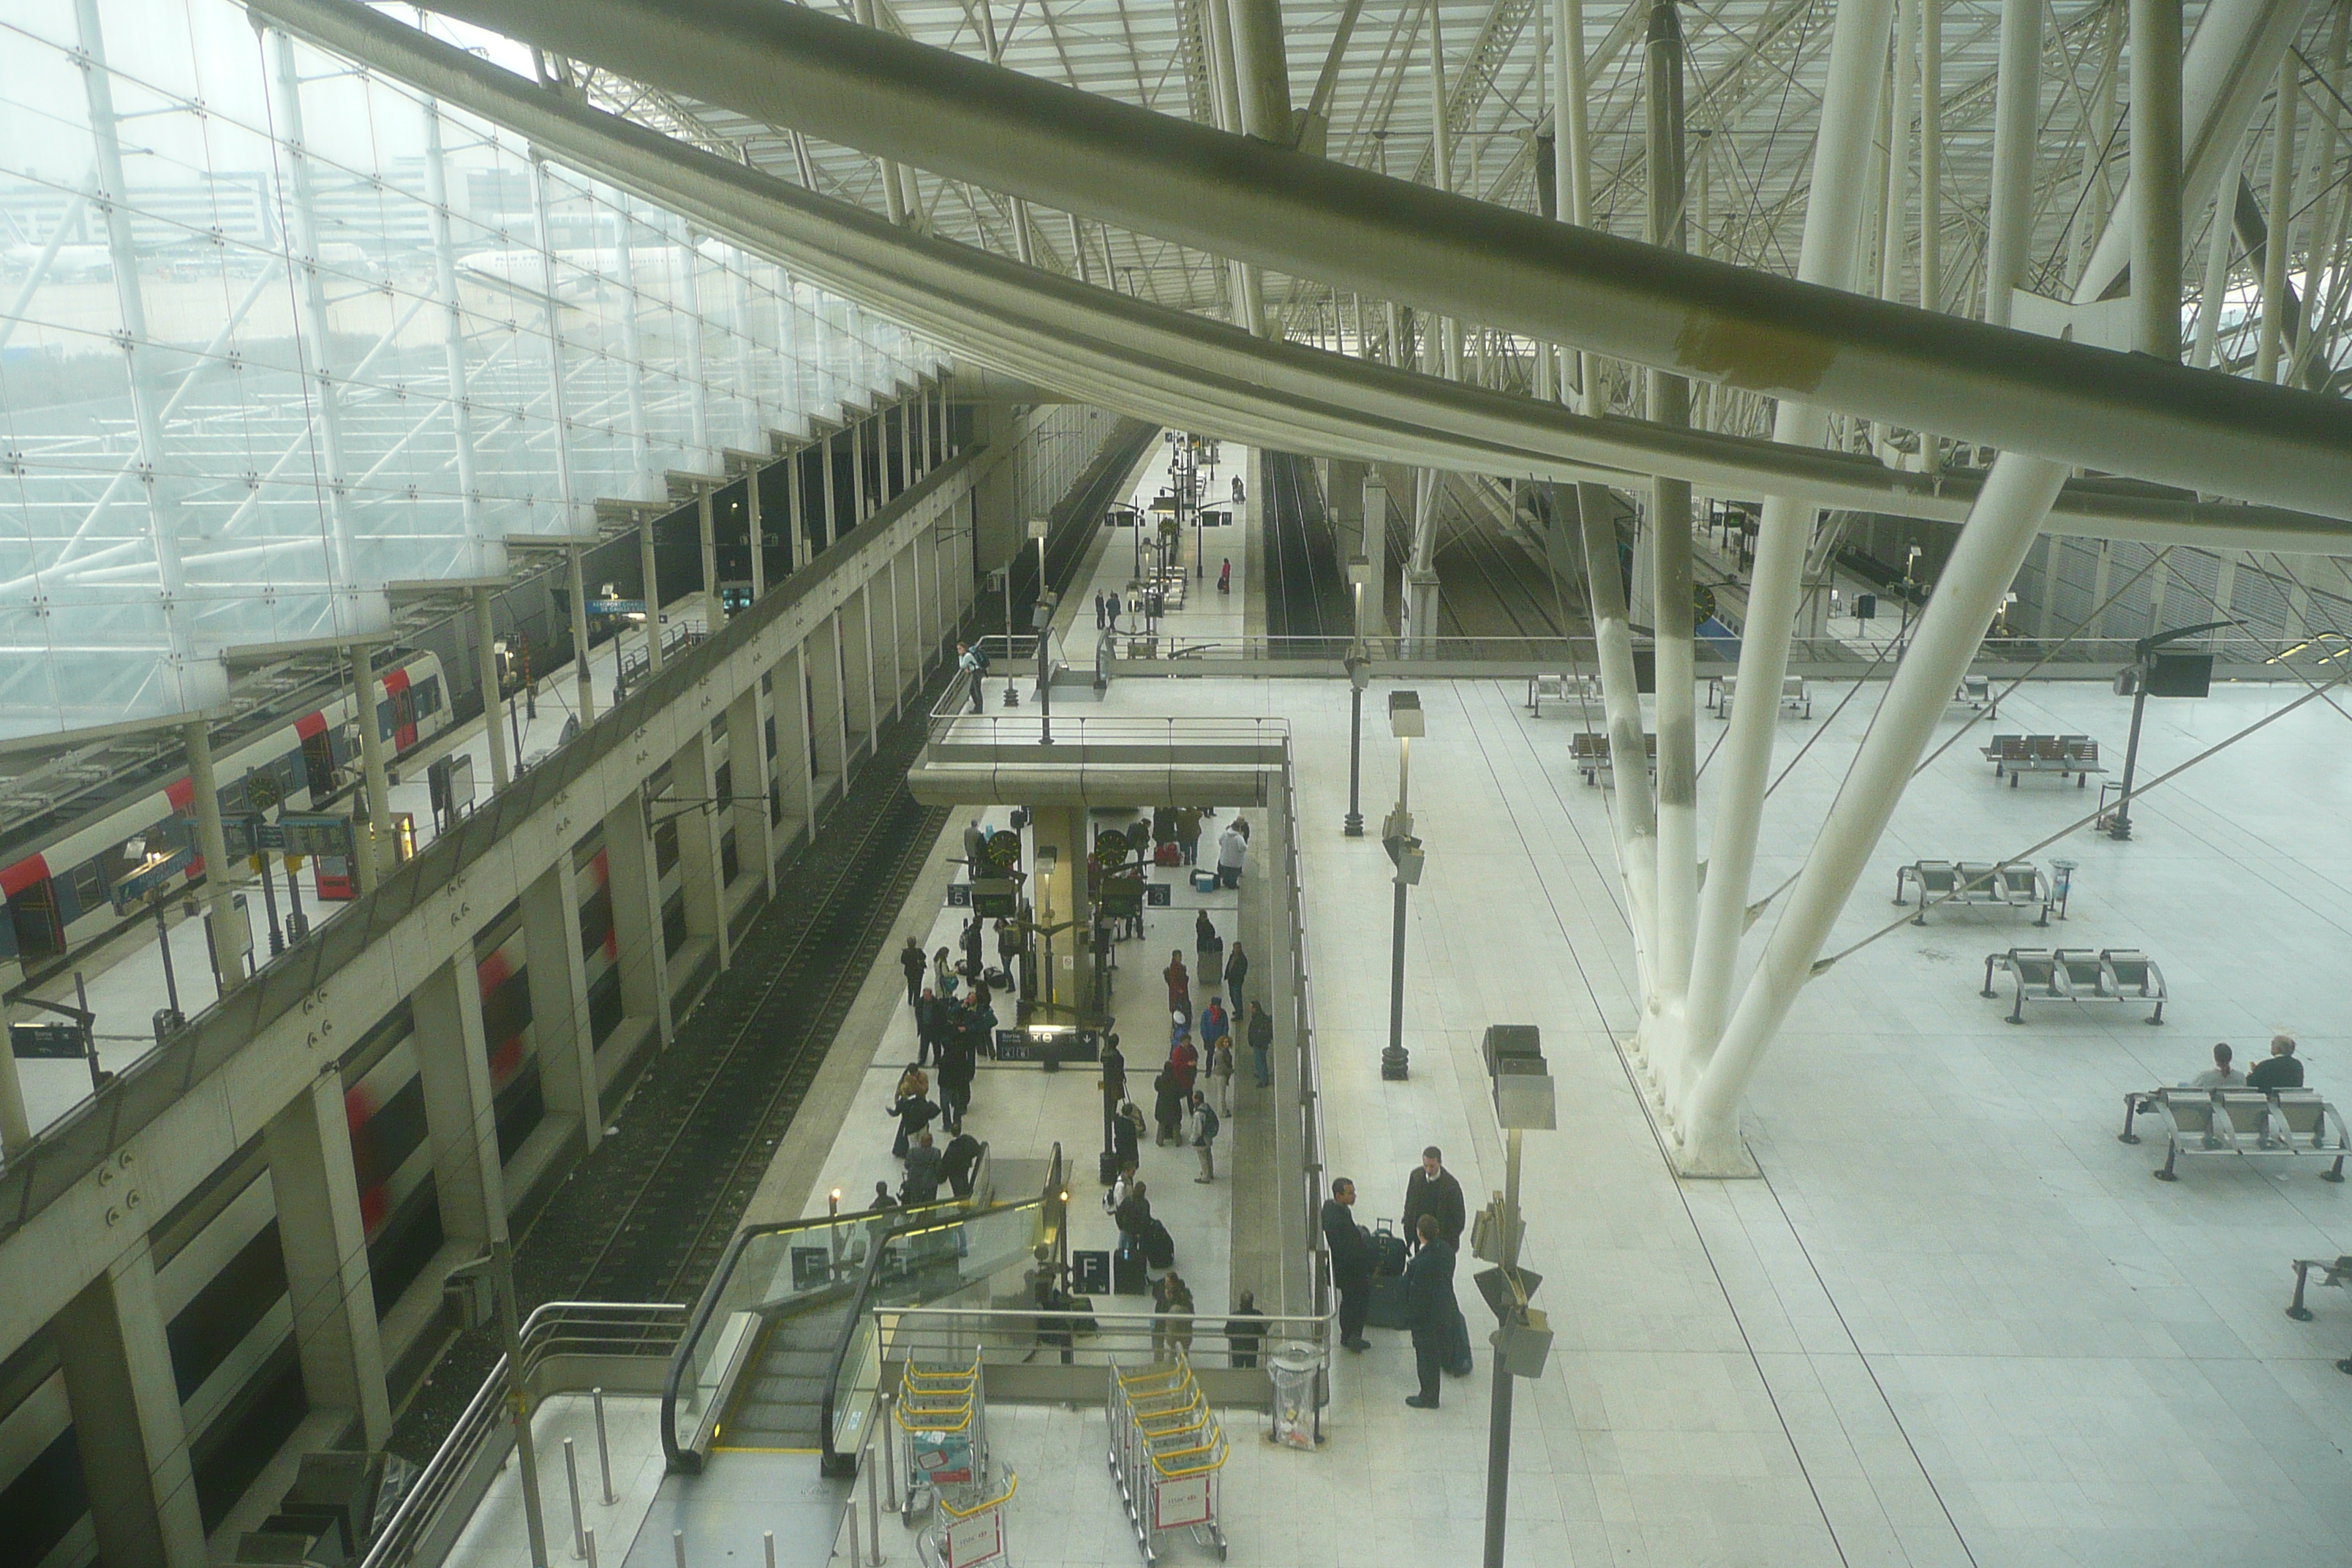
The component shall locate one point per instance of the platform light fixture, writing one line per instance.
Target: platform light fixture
(1406, 723)
(1521, 1083)
(1359, 666)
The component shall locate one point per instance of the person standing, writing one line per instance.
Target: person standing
(1204, 1137)
(1125, 1134)
(957, 1065)
(1226, 575)
(1352, 1262)
(1166, 1106)
(1261, 1043)
(926, 1026)
(974, 967)
(1221, 1069)
(1232, 848)
(1245, 1330)
(910, 959)
(968, 660)
(943, 974)
(923, 1171)
(1430, 1309)
(1008, 952)
(1180, 983)
(1431, 1190)
(1172, 1331)
(976, 850)
(1186, 1063)
(1188, 834)
(1208, 947)
(1098, 612)
(1237, 967)
(913, 1109)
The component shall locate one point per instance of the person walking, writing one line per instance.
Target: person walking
(928, 1017)
(913, 1109)
(882, 1198)
(1430, 1309)
(1205, 1136)
(1260, 1045)
(1237, 968)
(958, 1063)
(1008, 952)
(960, 1163)
(1245, 1330)
(910, 959)
(1232, 848)
(1226, 575)
(1431, 1190)
(968, 659)
(1188, 834)
(1098, 612)
(1352, 1262)
(1180, 983)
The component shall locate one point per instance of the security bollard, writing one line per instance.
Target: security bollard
(889, 1457)
(768, 1542)
(591, 1549)
(677, 1546)
(571, 1482)
(604, 1448)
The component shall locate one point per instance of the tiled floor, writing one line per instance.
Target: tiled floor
(1956, 1321)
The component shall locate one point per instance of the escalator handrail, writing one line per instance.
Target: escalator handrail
(683, 1356)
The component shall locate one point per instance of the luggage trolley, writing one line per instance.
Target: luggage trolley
(942, 1420)
(970, 1530)
(1167, 1450)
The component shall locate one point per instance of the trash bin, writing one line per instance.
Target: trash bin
(1297, 1369)
(1866, 607)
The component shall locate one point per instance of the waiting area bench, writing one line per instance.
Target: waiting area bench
(1975, 693)
(1795, 698)
(2010, 884)
(1575, 692)
(2078, 974)
(1588, 752)
(2017, 755)
(2338, 1273)
(2291, 1121)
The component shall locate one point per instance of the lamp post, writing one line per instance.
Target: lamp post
(1396, 837)
(1359, 667)
(1522, 1089)
(1042, 617)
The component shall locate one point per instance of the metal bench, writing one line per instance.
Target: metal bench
(2338, 1273)
(1975, 691)
(2291, 1121)
(2078, 974)
(1588, 752)
(2017, 755)
(1723, 689)
(2012, 884)
(1577, 691)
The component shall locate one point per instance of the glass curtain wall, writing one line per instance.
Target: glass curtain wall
(281, 338)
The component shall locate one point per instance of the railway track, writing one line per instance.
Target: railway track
(1309, 609)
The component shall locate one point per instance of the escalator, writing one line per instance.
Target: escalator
(784, 1352)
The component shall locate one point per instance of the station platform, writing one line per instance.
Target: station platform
(1955, 1320)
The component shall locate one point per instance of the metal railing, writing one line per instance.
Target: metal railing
(567, 1346)
(1043, 1342)
(1311, 1072)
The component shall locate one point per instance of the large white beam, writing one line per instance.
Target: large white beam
(1125, 354)
(1472, 260)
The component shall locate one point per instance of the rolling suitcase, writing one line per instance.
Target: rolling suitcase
(1458, 1359)
(1127, 1277)
(1388, 1308)
(1388, 1250)
(1160, 1247)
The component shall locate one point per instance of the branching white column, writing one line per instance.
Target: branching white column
(1849, 109)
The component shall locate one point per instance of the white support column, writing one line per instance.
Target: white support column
(706, 523)
(639, 950)
(701, 870)
(579, 586)
(795, 507)
(1931, 169)
(748, 777)
(698, 383)
(642, 480)
(1826, 256)
(861, 706)
(2017, 114)
(453, 1065)
(2155, 177)
(485, 666)
(832, 529)
(2276, 221)
(232, 938)
(2008, 515)
(377, 848)
(127, 1421)
(649, 573)
(1635, 820)
(754, 531)
(561, 1031)
(828, 722)
(788, 701)
(324, 1242)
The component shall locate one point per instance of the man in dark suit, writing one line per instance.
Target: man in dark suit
(1351, 1263)
(1431, 1190)
(1429, 1309)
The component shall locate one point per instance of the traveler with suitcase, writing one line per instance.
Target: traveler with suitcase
(1352, 1262)
(1429, 1289)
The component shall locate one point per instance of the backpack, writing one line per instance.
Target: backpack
(1209, 1125)
(979, 659)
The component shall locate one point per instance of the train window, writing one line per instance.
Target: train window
(428, 695)
(89, 884)
(33, 912)
(318, 765)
